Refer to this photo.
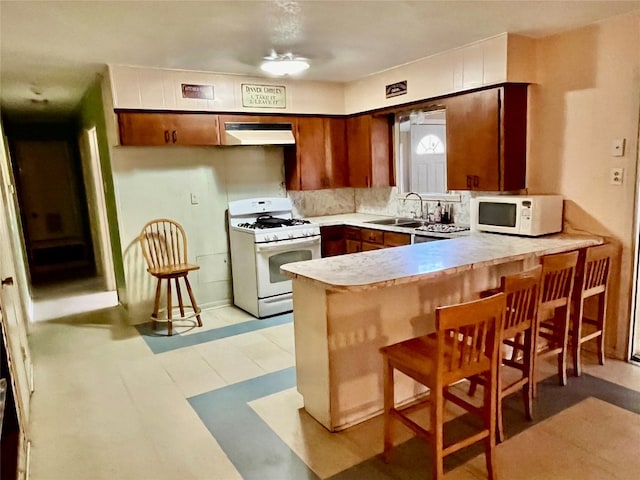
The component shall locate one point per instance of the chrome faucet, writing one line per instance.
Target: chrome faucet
(421, 207)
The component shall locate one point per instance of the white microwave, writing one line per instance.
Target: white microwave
(528, 215)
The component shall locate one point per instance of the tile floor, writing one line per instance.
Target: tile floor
(121, 402)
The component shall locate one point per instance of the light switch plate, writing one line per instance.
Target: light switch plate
(194, 199)
(617, 147)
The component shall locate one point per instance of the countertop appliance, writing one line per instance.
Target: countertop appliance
(526, 215)
(263, 235)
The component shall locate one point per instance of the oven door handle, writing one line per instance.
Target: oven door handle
(287, 244)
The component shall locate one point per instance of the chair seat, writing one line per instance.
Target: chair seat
(172, 270)
(414, 356)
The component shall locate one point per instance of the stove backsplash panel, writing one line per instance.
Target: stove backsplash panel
(377, 201)
(317, 203)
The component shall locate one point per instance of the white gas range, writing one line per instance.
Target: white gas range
(263, 235)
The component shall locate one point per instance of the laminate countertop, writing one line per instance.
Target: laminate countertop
(398, 265)
(363, 220)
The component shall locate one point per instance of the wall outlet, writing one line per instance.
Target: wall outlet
(616, 176)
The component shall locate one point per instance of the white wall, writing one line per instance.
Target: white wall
(589, 94)
(157, 182)
(161, 89)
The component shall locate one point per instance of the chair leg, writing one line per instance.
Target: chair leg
(602, 315)
(491, 397)
(156, 304)
(437, 429)
(601, 349)
(499, 424)
(193, 301)
(529, 356)
(562, 358)
(389, 396)
(576, 338)
(169, 309)
(179, 294)
(473, 386)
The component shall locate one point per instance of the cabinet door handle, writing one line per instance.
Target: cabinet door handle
(174, 136)
(166, 136)
(476, 181)
(469, 183)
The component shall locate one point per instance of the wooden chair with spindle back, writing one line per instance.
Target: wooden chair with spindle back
(554, 309)
(592, 282)
(466, 343)
(518, 332)
(164, 247)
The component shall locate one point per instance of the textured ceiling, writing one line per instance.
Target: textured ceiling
(53, 49)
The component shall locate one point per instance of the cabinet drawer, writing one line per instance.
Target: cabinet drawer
(352, 233)
(372, 236)
(366, 246)
(332, 232)
(394, 239)
(352, 246)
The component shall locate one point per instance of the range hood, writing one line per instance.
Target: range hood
(250, 133)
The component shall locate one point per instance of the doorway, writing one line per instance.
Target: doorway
(634, 347)
(69, 262)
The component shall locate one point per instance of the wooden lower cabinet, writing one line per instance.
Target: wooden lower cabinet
(394, 239)
(338, 240)
(333, 241)
(352, 240)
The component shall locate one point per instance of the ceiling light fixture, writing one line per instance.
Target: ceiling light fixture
(286, 64)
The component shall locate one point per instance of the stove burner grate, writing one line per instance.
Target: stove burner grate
(267, 221)
(442, 228)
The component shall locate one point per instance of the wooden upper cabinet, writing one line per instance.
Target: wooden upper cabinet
(369, 151)
(154, 129)
(318, 160)
(486, 139)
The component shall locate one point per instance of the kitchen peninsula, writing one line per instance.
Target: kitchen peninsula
(347, 307)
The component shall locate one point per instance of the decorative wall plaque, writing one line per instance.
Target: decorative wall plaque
(204, 92)
(264, 96)
(395, 89)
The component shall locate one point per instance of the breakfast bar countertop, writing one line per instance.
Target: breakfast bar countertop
(394, 266)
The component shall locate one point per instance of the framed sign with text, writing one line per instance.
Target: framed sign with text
(264, 96)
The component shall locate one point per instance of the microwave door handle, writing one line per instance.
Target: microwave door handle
(286, 244)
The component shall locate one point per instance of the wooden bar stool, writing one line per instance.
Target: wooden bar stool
(593, 280)
(554, 309)
(466, 343)
(164, 246)
(518, 332)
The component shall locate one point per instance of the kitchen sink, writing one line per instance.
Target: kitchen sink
(400, 221)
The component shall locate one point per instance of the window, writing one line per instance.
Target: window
(430, 144)
(422, 152)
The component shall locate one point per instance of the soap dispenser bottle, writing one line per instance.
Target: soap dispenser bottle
(437, 214)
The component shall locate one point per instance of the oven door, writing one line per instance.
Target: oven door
(270, 256)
